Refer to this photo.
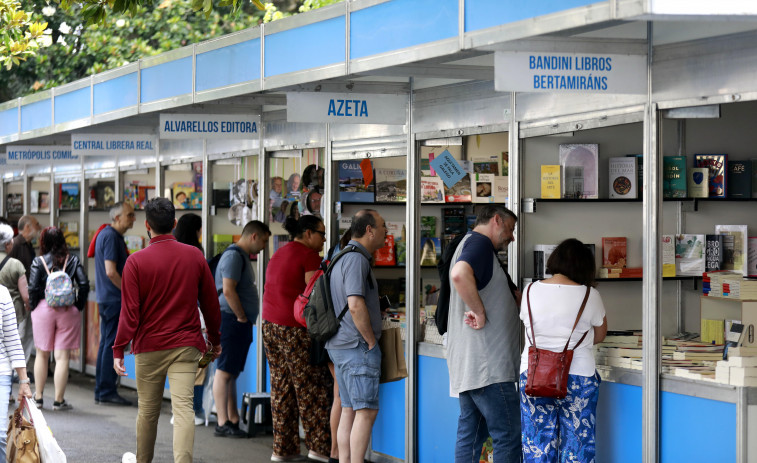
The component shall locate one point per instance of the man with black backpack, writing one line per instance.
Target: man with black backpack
(483, 345)
(354, 348)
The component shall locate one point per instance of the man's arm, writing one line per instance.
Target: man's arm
(464, 282)
(232, 298)
(112, 271)
(128, 321)
(362, 319)
(23, 288)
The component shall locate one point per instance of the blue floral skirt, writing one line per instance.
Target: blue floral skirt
(560, 430)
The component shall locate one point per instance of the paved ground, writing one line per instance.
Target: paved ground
(101, 433)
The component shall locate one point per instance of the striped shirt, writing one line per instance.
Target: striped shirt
(11, 352)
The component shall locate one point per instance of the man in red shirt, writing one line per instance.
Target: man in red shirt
(161, 286)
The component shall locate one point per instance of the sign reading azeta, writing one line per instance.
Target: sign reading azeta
(346, 108)
(111, 144)
(228, 126)
(570, 72)
(50, 155)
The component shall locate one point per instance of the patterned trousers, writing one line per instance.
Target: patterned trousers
(560, 429)
(298, 390)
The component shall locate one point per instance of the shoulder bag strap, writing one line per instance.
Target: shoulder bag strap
(530, 317)
(578, 317)
(2, 264)
(42, 258)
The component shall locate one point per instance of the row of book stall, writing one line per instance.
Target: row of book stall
(651, 167)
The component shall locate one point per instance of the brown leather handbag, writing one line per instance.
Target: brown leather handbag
(22, 446)
(548, 370)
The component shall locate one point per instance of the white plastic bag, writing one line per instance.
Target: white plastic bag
(49, 450)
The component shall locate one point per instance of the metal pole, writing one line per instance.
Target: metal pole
(206, 187)
(413, 283)
(328, 194)
(262, 175)
(515, 249)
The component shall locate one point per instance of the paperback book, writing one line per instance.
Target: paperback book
(614, 252)
(541, 256)
(459, 192)
(14, 203)
(431, 251)
(735, 258)
(483, 191)
(674, 176)
(134, 243)
(690, 256)
(384, 256)
(579, 164)
(501, 189)
(453, 224)
(668, 256)
(352, 185)
(432, 190)
(221, 242)
(391, 185)
(752, 257)
(428, 225)
(34, 201)
(70, 233)
(622, 176)
(639, 172)
(716, 165)
(550, 181)
(69, 196)
(739, 179)
(486, 165)
(714, 257)
(44, 202)
(181, 192)
(697, 183)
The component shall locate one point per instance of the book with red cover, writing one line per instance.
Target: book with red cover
(614, 252)
(385, 256)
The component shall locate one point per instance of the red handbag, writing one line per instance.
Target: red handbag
(548, 370)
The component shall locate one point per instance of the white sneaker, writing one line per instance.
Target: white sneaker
(198, 420)
(129, 458)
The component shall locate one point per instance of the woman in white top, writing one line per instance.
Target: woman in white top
(563, 429)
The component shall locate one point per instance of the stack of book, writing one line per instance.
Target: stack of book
(739, 288)
(626, 272)
(712, 282)
(740, 369)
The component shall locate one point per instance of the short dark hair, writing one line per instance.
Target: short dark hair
(575, 260)
(488, 211)
(297, 228)
(361, 221)
(186, 230)
(255, 226)
(160, 215)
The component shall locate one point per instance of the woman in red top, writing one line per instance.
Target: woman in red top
(298, 388)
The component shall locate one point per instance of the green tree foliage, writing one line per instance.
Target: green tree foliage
(74, 47)
(18, 33)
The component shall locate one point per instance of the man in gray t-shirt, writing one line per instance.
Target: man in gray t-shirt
(484, 340)
(354, 349)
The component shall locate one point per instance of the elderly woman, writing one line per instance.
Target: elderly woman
(552, 429)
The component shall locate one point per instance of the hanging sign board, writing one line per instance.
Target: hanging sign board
(448, 169)
(346, 108)
(49, 155)
(109, 144)
(193, 126)
(570, 72)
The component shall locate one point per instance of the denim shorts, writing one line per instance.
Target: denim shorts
(357, 373)
(236, 339)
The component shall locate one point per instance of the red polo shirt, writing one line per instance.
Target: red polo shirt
(285, 280)
(160, 289)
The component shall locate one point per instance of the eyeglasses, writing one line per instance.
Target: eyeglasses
(323, 234)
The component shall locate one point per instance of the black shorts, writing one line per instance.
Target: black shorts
(236, 339)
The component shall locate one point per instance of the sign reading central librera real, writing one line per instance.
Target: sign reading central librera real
(228, 126)
(49, 155)
(111, 144)
(346, 108)
(570, 72)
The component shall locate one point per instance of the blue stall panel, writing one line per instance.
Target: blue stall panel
(389, 429)
(8, 122)
(307, 47)
(114, 94)
(36, 115)
(619, 423)
(72, 106)
(481, 14)
(695, 429)
(228, 65)
(437, 412)
(166, 80)
(400, 24)
(248, 379)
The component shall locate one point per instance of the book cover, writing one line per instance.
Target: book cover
(690, 257)
(697, 182)
(714, 252)
(14, 203)
(550, 181)
(668, 250)
(44, 202)
(279, 241)
(134, 243)
(614, 252)
(739, 179)
(674, 176)
(181, 194)
(486, 165)
(639, 173)
(453, 224)
(221, 242)
(34, 201)
(352, 187)
(432, 190)
(752, 257)
(428, 225)
(501, 189)
(70, 233)
(483, 188)
(580, 177)
(541, 257)
(735, 255)
(68, 198)
(391, 185)
(384, 256)
(459, 192)
(143, 195)
(716, 165)
(431, 251)
(131, 191)
(622, 176)
(400, 244)
(754, 178)
(195, 200)
(505, 163)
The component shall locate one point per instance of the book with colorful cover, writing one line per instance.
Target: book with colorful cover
(352, 187)
(550, 181)
(717, 179)
(668, 250)
(459, 192)
(144, 194)
(734, 255)
(501, 189)
(714, 252)
(428, 225)
(44, 202)
(431, 251)
(690, 255)
(131, 194)
(134, 243)
(391, 185)
(453, 223)
(195, 200)
(739, 179)
(505, 163)
(674, 176)
(397, 230)
(486, 165)
(384, 256)
(221, 242)
(698, 182)
(69, 196)
(614, 252)
(182, 192)
(70, 233)
(579, 176)
(432, 190)
(483, 188)
(622, 176)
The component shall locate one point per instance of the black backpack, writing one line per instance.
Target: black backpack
(442, 305)
(215, 260)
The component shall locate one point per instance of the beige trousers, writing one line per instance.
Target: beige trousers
(152, 368)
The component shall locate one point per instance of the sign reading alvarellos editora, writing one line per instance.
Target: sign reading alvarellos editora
(50, 155)
(346, 108)
(109, 144)
(570, 72)
(227, 126)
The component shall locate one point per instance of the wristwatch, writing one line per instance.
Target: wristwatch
(24, 381)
